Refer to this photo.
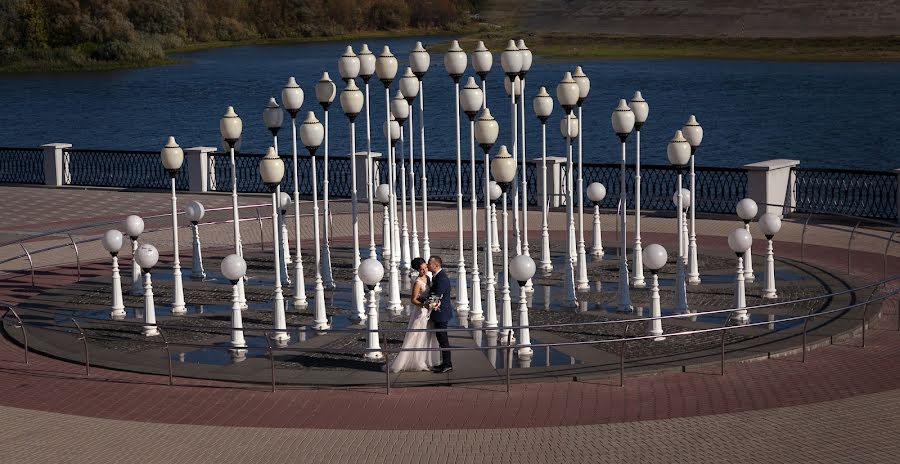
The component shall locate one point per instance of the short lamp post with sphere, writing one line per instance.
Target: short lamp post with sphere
(596, 192)
(495, 192)
(623, 124)
(234, 268)
(371, 271)
(641, 110)
(486, 132)
(746, 210)
(471, 100)
(543, 108)
(230, 127)
(112, 242)
(679, 153)
(194, 211)
(503, 169)
(522, 269)
(383, 195)
(134, 227)
(686, 201)
(147, 256)
(311, 134)
(271, 169)
(352, 101)
(693, 132)
(770, 224)
(325, 93)
(292, 99)
(284, 202)
(739, 240)
(172, 157)
(392, 133)
(655, 258)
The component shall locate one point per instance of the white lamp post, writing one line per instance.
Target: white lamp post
(392, 134)
(471, 100)
(455, 60)
(273, 117)
(112, 242)
(195, 211)
(284, 202)
(271, 169)
(147, 256)
(770, 224)
(383, 195)
(400, 112)
(596, 192)
(641, 110)
(740, 240)
(623, 124)
(655, 257)
(134, 227)
(172, 158)
(352, 103)
(409, 86)
(496, 191)
(584, 87)
(371, 272)
(694, 135)
(366, 70)
(686, 202)
(486, 132)
(567, 92)
(512, 60)
(746, 210)
(230, 127)
(386, 69)
(482, 60)
(419, 61)
(325, 93)
(679, 152)
(503, 169)
(312, 134)
(292, 98)
(234, 268)
(527, 58)
(543, 108)
(522, 269)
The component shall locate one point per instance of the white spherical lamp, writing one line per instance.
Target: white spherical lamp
(112, 241)
(194, 211)
(134, 226)
(234, 268)
(747, 209)
(678, 151)
(655, 257)
(522, 268)
(371, 271)
(769, 224)
(739, 240)
(147, 256)
(596, 192)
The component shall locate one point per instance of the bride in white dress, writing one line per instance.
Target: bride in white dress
(418, 319)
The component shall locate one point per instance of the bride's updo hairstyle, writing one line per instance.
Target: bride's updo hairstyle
(417, 263)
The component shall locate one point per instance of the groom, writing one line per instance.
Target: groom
(440, 285)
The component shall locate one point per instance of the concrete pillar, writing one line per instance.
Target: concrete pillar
(772, 182)
(198, 168)
(361, 182)
(56, 167)
(555, 180)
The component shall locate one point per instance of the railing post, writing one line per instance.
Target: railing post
(198, 168)
(850, 246)
(772, 182)
(30, 262)
(20, 325)
(622, 356)
(722, 353)
(387, 364)
(87, 354)
(77, 257)
(508, 359)
(168, 353)
(55, 167)
(271, 352)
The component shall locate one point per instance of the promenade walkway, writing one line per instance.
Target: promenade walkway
(840, 406)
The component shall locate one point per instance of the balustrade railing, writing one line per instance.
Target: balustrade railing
(21, 165)
(846, 191)
(120, 168)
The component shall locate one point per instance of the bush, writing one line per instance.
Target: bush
(118, 50)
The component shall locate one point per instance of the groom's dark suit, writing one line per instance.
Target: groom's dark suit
(440, 285)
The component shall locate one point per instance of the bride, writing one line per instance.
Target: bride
(418, 319)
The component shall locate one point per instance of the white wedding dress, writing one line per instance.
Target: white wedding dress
(418, 360)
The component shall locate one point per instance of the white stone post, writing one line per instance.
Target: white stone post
(771, 184)
(197, 159)
(55, 167)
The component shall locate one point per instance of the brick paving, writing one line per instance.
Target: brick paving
(839, 406)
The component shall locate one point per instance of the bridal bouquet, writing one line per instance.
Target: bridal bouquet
(433, 302)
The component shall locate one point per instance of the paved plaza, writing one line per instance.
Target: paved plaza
(841, 405)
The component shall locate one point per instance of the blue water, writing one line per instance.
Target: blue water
(824, 114)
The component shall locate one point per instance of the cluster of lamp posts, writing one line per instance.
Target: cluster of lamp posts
(399, 247)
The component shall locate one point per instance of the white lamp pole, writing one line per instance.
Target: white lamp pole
(486, 132)
(366, 71)
(641, 110)
(134, 227)
(770, 224)
(567, 92)
(503, 169)
(231, 126)
(386, 69)
(543, 108)
(273, 118)
(352, 101)
(746, 210)
(371, 272)
(195, 211)
(596, 192)
(419, 61)
(271, 169)
(409, 87)
(292, 99)
(147, 256)
(623, 124)
(455, 60)
(522, 269)
(678, 152)
(471, 101)
(172, 158)
(512, 60)
(312, 133)
(655, 257)
(284, 202)
(527, 58)
(392, 134)
(584, 87)
(400, 110)
(694, 135)
(234, 268)
(383, 194)
(112, 242)
(740, 240)
(686, 199)
(325, 93)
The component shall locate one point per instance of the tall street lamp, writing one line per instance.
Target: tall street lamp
(371, 272)
(134, 227)
(482, 60)
(655, 258)
(112, 242)
(679, 153)
(641, 110)
(409, 87)
(527, 58)
(292, 98)
(770, 224)
(486, 132)
(693, 132)
(392, 134)
(172, 157)
(419, 61)
(567, 92)
(596, 192)
(739, 240)
(400, 112)
(746, 210)
(512, 61)
(455, 60)
(147, 256)
(543, 108)
(352, 103)
(623, 124)
(230, 127)
(312, 133)
(273, 118)
(522, 269)
(503, 169)
(386, 68)
(366, 71)
(471, 100)
(584, 87)
(234, 268)
(195, 211)
(271, 169)
(325, 93)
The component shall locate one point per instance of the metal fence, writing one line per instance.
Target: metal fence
(845, 191)
(119, 168)
(21, 165)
